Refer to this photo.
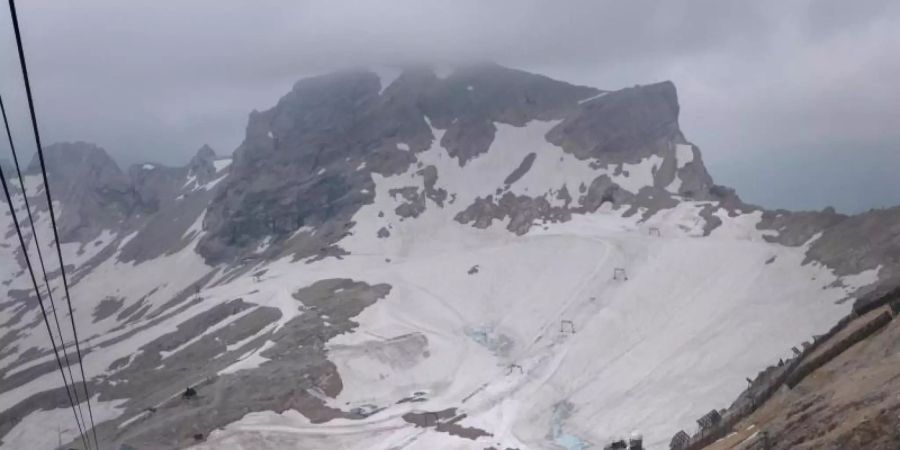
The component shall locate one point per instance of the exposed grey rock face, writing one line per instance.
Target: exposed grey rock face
(612, 131)
(695, 180)
(96, 196)
(796, 228)
(414, 203)
(296, 369)
(622, 126)
(861, 242)
(430, 176)
(521, 210)
(603, 190)
(155, 186)
(308, 161)
(148, 212)
(107, 307)
(521, 170)
(201, 165)
(846, 244)
(169, 205)
(289, 172)
(626, 126)
(470, 100)
(88, 182)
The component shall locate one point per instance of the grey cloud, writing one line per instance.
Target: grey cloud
(793, 103)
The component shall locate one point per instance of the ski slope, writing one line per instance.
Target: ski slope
(695, 317)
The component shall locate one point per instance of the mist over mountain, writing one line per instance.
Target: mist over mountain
(796, 100)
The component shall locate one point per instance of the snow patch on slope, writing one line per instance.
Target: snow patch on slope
(684, 154)
(685, 297)
(221, 164)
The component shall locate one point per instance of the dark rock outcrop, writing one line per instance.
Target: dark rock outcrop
(202, 165)
(520, 171)
(622, 126)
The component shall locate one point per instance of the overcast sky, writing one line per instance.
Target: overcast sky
(796, 104)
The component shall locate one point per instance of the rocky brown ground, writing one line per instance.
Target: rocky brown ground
(852, 402)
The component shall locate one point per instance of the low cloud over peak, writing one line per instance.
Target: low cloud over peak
(794, 104)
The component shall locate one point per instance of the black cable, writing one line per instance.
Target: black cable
(40, 152)
(37, 244)
(37, 292)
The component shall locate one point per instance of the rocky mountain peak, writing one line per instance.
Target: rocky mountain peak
(202, 164)
(310, 160)
(205, 152)
(76, 162)
(88, 181)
